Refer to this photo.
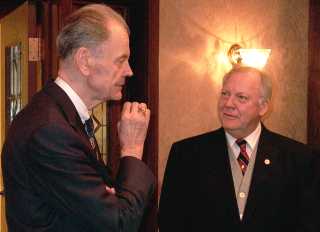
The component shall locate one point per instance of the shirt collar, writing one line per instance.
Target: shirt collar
(251, 139)
(75, 98)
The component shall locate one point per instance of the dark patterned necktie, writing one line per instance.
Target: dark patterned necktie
(89, 127)
(243, 158)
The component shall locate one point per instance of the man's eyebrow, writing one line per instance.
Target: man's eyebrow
(124, 56)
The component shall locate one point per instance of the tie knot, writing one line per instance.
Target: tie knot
(241, 142)
(88, 125)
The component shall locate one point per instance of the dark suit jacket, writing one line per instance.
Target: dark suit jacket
(198, 191)
(53, 181)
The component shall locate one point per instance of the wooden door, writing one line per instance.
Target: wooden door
(19, 67)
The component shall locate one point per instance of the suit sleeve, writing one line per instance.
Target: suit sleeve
(309, 186)
(62, 173)
(308, 195)
(173, 211)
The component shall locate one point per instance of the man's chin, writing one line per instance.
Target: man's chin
(230, 126)
(117, 97)
(230, 123)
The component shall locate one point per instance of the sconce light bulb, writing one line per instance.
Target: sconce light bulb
(248, 57)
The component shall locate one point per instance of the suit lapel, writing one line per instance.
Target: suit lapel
(66, 106)
(218, 178)
(71, 115)
(266, 162)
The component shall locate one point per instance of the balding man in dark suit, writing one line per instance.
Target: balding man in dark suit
(241, 177)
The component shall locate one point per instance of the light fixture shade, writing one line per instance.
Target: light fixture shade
(254, 57)
(248, 57)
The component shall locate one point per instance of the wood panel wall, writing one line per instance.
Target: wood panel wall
(314, 74)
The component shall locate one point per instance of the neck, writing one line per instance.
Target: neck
(241, 133)
(77, 83)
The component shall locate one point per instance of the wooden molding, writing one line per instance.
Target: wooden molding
(313, 123)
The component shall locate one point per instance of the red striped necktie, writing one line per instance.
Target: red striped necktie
(243, 158)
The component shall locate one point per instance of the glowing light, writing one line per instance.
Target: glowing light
(248, 57)
(254, 57)
(223, 58)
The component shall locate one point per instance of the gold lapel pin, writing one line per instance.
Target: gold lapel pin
(267, 162)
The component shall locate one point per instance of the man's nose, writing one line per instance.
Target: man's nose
(128, 70)
(229, 102)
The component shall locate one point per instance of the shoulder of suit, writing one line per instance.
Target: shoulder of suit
(40, 110)
(284, 142)
(212, 136)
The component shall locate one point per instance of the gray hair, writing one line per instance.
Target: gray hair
(86, 27)
(266, 83)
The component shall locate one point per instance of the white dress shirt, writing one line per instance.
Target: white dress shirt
(75, 98)
(251, 139)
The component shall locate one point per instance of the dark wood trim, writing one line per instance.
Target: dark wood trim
(114, 111)
(55, 12)
(65, 7)
(153, 102)
(314, 74)
(6, 6)
(7, 89)
(47, 38)
(32, 33)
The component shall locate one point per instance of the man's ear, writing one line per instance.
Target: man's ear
(264, 107)
(82, 59)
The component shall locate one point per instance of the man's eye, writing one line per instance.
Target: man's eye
(224, 93)
(121, 61)
(242, 98)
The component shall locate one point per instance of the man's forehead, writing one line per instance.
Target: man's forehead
(116, 26)
(246, 74)
(242, 82)
(118, 35)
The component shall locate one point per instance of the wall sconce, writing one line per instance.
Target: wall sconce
(256, 58)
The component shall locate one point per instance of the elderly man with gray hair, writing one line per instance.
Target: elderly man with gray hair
(242, 176)
(54, 178)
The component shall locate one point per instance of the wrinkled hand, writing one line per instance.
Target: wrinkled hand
(132, 128)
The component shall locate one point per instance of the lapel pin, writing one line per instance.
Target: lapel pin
(92, 142)
(267, 161)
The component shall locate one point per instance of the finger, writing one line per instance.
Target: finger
(147, 115)
(134, 107)
(143, 105)
(126, 108)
